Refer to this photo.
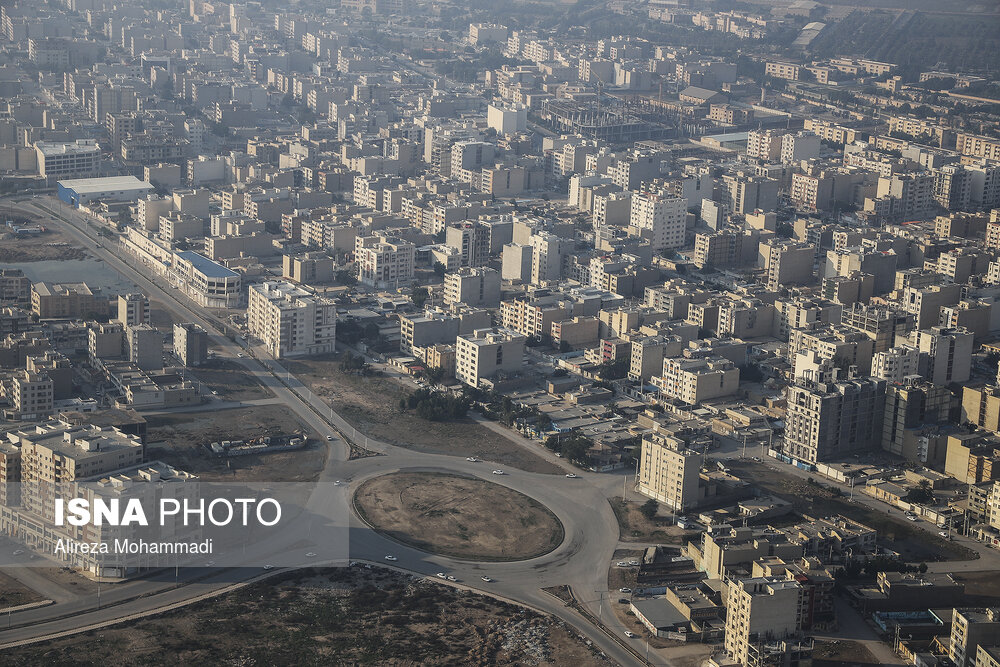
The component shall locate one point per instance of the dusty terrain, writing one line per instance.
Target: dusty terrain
(329, 617)
(13, 593)
(179, 438)
(458, 516)
(45, 246)
(231, 381)
(371, 404)
(843, 652)
(635, 527)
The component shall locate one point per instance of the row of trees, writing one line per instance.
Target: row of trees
(435, 405)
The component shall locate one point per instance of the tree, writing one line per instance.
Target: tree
(439, 269)
(649, 509)
(923, 493)
(922, 568)
(419, 296)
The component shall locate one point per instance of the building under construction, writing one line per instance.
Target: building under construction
(622, 122)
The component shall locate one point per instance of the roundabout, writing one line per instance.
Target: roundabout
(458, 516)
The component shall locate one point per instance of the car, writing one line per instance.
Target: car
(486, 579)
(911, 518)
(943, 533)
(629, 634)
(441, 575)
(621, 563)
(472, 459)
(210, 563)
(624, 589)
(330, 438)
(19, 552)
(451, 578)
(310, 554)
(572, 475)
(633, 563)
(623, 600)
(268, 567)
(391, 558)
(241, 355)
(499, 472)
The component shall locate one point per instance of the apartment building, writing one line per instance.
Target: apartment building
(692, 381)
(133, 309)
(30, 395)
(485, 353)
(78, 159)
(473, 286)
(144, 346)
(384, 262)
(972, 627)
(759, 611)
(291, 320)
(67, 301)
(15, 288)
(669, 471)
(660, 219)
(439, 325)
(829, 417)
(190, 343)
(788, 263)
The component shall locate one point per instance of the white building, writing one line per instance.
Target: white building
(291, 320)
(486, 352)
(507, 120)
(79, 159)
(660, 219)
(384, 262)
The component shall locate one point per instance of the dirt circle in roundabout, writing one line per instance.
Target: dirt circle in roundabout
(457, 516)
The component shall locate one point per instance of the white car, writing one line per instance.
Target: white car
(310, 554)
(210, 563)
(330, 438)
(633, 563)
(911, 518)
(624, 589)
(391, 558)
(472, 459)
(621, 563)
(268, 567)
(571, 475)
(499, 472)
(241, 355)
(943, 533)
(441, 575)
(451, 578)
(486, 579)
(629, 634)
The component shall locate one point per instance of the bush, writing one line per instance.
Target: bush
(649, 509)
(437, 406)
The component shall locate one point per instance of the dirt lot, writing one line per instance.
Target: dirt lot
(371, 404)
(14, 593)
(179, 438)
(231, 381)
(981, 588)
(913, 543)
(346, 616)
(844, 652)
(48, 245)
(458, 516)
(634, 527)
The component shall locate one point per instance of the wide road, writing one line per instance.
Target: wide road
(581, 504)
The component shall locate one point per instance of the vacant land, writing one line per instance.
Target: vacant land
(46, 246)
(981, 588)
(842, 652)
(13, 593)
(634, 527)
(179, 439)
(329, 617)
(823, 499)
(231, 381)
(456, 516)
(371, 404)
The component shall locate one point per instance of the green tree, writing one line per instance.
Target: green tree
(649, 509)
(419, 296)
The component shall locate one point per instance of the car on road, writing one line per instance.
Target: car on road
(629, 634)
(210, 563)
(943, 533)
(472, 459)
(486, 579)
(452, 578)
(499, 472)
(621, 563)
(310, 554)
(391, 558)
(633, 563)
(19, 552)
(441, 575)
(624, 589)
(268, 567)
(572, 475)
(329, 438)
(623, 600)
(910, 517)
(241, 355)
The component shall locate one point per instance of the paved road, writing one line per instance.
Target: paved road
(590, 525)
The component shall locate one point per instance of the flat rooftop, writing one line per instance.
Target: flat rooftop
(210, 268)
(90, 185)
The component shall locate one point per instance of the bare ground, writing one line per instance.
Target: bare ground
(231, 381)
(179, 439)
(46, 246)
(13, 593)
(344, 616)
(634, 527)
(458, 516)
(371, 404)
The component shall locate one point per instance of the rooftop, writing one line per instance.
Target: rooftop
(90, 185)
(210, 268)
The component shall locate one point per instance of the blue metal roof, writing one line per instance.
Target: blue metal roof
(210, 268)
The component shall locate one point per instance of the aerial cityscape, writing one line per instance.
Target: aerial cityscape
(538, 332)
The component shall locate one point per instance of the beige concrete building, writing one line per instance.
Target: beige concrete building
(692, 381)
(291, 320)
(762, 610)
(473, 286)
(486, 352)
(67, 301)
(133, 309)
(669, 471)
(190, 344)
(384, 262)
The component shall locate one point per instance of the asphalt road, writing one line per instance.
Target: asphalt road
(580, 504)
